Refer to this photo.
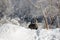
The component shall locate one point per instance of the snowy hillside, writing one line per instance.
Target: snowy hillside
(9, 31)
(16, 16)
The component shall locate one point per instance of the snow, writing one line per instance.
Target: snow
(10, 31)
(51, 34)
(13, 32)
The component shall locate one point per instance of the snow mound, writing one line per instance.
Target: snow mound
(13, 32)
(51, 34)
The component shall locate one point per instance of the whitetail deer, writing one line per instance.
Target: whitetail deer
(53, 21)
(33, 25)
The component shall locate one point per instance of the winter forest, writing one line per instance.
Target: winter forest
(29, 19)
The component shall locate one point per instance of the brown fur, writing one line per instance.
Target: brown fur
(33, 26)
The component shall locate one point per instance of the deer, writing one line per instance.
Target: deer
(33, 25)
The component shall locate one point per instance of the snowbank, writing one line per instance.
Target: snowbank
(51, 34)
(13, 32)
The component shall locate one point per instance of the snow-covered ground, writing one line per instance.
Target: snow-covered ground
(10, 31)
